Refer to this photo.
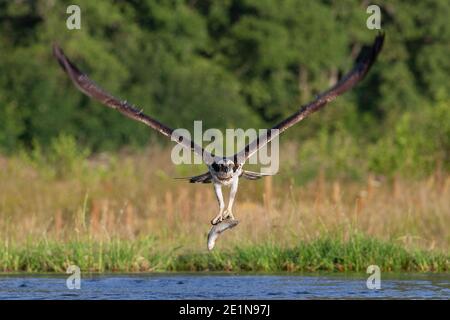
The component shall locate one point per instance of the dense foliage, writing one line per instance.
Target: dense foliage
(233, 63)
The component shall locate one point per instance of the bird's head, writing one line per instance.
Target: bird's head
(224, 168)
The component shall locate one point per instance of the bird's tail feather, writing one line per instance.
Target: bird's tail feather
(203, 178)
(253, 175)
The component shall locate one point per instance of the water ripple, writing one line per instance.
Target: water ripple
(219, 286)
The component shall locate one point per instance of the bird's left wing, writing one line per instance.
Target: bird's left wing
(346, 83)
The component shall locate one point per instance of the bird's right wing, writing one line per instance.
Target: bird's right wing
(89, 88)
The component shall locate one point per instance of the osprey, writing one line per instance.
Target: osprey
(223, 171)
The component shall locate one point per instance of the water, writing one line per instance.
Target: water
(229, 286)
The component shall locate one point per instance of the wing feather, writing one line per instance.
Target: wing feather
(346, 83)
(91, 89)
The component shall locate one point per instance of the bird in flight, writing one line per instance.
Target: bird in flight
(223, 171)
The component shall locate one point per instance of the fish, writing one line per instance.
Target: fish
(217, 229)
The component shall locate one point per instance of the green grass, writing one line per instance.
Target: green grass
(98, 214)
(323, 254)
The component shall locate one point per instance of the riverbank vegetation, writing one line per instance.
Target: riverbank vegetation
(125, 212)
(328, 254)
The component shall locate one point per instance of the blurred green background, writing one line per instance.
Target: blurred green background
(242, 64)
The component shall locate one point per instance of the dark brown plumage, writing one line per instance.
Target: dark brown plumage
(88, 87)
(222, 171)
(91, 89)
(346, 83)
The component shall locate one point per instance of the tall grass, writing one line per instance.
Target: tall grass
(328, 253)
(126, 212)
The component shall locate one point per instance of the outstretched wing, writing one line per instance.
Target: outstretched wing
(346, 83)
(89, 88)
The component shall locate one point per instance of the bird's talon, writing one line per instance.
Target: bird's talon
(228, 215)
(216, 220)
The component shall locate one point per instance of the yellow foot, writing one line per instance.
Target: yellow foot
(228, 214)
(217, 219)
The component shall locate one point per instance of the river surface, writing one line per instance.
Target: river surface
(224, 286)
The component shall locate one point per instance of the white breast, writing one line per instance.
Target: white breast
(228, 180)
